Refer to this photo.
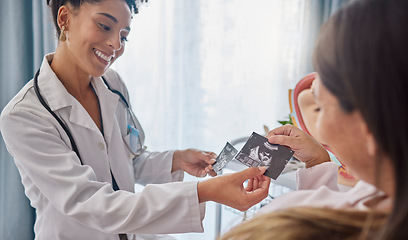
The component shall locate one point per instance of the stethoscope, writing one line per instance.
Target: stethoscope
(140, 149)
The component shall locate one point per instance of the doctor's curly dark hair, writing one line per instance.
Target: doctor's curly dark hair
(56, 4)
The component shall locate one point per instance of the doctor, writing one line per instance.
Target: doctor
(79, 147)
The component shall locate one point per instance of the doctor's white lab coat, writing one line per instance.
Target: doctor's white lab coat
(75, 201)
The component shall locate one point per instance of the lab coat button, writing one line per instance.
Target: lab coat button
(101, 145)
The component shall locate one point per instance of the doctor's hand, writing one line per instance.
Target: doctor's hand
(194, 162)
(306, 148)
(228, 189)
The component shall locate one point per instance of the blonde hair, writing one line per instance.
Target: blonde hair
(305, 223)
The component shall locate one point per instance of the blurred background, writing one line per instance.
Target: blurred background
(199, 73)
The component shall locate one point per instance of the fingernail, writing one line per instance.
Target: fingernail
(263, 168)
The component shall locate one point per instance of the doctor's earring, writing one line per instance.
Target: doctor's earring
(63, 37)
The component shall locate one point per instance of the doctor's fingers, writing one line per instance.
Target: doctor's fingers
(249, 173)
(209, 169)
(212, 173)
(208, 157)
(211, 154)
(264, 182)
(249, 185)
(257, 182)
(256, 195)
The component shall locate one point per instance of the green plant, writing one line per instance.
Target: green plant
(284, 122)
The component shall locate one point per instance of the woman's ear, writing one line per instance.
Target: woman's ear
(63, 16)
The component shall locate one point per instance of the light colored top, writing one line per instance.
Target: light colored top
(75, 201)
(317, 187)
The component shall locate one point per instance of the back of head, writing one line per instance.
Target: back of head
(307, 223)
(362, 59)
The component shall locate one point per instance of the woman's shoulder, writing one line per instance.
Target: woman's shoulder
(23, 110)
(24, 98)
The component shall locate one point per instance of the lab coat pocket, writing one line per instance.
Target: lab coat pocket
(132, 141)
(126, 141)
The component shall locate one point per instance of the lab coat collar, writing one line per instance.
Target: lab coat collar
(57, 97)
(51, 88)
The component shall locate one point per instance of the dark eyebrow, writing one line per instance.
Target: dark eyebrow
(113, 19)
(110, 17)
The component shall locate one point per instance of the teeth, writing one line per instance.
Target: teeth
(101, 55)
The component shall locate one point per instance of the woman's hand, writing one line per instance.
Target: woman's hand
(194, 162)
(306, 148)
(229, 189)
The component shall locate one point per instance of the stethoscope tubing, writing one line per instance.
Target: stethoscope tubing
(67, 131)
(63, 125)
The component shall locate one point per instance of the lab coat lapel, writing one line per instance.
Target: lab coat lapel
(108, 102)
(51, 88)
(57, 97)
(119, 163)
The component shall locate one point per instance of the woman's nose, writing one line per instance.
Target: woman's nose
(115, 42)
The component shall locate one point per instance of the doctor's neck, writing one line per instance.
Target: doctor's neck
(73, 76)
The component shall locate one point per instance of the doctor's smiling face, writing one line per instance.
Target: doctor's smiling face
(95, 34)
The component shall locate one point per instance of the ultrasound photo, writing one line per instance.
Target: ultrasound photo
(226, 155)
(258, 152)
